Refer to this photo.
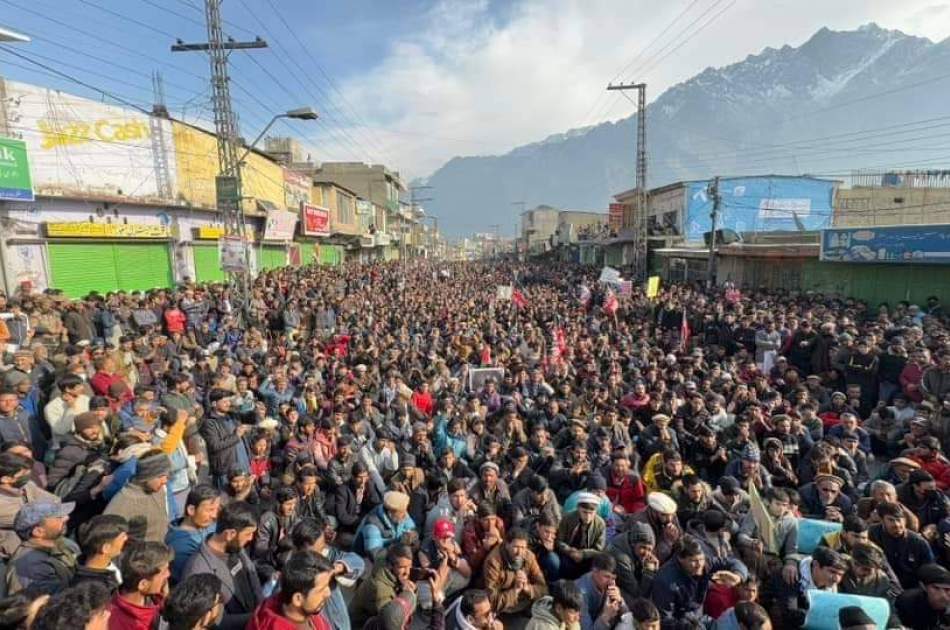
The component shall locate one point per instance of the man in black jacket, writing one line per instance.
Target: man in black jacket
(906, 551)
(926, 607)
(80, 471)
(273, 533)
(351, 501)
(224, 437)
(102, 540)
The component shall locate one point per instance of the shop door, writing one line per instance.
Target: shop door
(272, 258)
(142, 267)
(79, 268)
(207, 263)
(306, 254)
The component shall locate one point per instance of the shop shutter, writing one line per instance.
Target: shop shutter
(207, 263)
(140, 267)
(272, 257)
(78, 268)
(306, 254)
(330, 255)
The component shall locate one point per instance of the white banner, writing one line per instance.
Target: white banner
(784, 208)
(503, 292)
(231, 249)
(77, 145)
(609, 275)
(280, 226)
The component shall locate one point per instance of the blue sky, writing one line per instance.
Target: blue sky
(415, 82)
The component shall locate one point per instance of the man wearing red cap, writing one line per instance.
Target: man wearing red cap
(441, 549)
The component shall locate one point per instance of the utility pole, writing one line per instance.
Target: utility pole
(414, 201)
(519, 225)
(494, 250)
(713, 216)
(228, 183)
(640, 216)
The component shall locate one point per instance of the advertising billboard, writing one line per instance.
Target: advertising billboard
(316, 220)
(280, 226)
(897, 244)
(761, 204)
(16, 184)
(81, 146)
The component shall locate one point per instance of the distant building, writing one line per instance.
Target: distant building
(544, 227)
(898, 198)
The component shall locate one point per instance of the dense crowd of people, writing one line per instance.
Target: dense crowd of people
(409, 445)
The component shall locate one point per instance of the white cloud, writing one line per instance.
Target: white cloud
(461, 84)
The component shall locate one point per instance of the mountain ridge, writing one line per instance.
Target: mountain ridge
(757, 115)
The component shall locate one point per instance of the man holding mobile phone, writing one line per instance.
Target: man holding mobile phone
(603, 603)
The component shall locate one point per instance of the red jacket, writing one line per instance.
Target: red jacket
(268, 617)
(719, 599)
(631, 493)
(937, 467)
(175, 320)
(128, 616)
(423, 402)
(912, 375)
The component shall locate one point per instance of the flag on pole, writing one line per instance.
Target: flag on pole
(684, 331)
(518, 298)
(560, 341)
(585, 294)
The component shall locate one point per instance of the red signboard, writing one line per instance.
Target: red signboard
(316, 220)
(615, 216)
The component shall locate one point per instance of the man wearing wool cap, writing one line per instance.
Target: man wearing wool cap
(144, 499)
(636, 563)
(385, 525)
(581, 535)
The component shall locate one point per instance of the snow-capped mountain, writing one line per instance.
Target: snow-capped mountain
(841, 101)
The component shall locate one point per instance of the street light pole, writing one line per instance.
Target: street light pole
(302, 113)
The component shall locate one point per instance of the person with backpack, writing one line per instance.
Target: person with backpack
(81, 469)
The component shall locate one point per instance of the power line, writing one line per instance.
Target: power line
(327, 102)
(69, 77)
(320, 68)
(601, 95)
(129, 19)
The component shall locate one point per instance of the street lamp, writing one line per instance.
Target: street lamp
(10, 37)
(301, 113)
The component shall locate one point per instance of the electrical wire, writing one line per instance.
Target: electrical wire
(303, 79)
(323, 72)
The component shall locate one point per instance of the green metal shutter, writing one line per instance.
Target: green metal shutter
(330, 255)
(143, 266)
(272, 257)
(306, 254)
(207, 263)
(78, 268)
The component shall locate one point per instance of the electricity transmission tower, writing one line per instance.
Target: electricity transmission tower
(228, 183)
(640, 214)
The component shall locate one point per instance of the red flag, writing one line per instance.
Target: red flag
(684, 331)
(611, 303)
(561, 341)
(519, 299)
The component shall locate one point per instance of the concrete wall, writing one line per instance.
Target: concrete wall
(867, 207)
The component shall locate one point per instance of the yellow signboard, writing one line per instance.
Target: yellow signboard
(209, 233)
(106, 230)
(653, 287)
(214, 232)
